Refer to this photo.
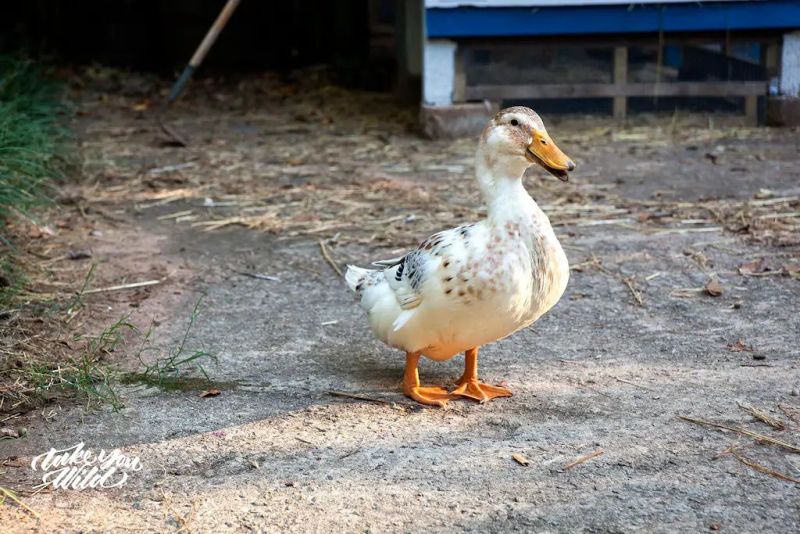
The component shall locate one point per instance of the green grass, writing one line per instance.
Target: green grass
(92, 379)
(86, 376)
(31, 136)
(168, 371)
(32, 153)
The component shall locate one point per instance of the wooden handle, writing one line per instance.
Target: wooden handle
(213, 33)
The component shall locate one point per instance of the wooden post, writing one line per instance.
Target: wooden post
(460, 82)
(751, 110)
(770, 58)
(620, 78)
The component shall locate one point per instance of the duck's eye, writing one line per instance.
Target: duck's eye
(514, 122)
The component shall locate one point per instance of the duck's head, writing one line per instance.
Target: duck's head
(518, 136)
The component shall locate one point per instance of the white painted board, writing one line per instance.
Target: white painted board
(555, 3)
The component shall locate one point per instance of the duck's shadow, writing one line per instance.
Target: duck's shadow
(381, 367)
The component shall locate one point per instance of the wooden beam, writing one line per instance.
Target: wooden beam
(770, 58)
(602, 41)
(620, 78)
(608, 90)
(751, 110)
(460, 81)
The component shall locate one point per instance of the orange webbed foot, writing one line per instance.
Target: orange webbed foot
(479, 391)
(431, 395)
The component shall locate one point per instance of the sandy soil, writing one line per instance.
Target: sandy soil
(601, 374)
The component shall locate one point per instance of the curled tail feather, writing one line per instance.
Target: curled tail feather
(356, 278)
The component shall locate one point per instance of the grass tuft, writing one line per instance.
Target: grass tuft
(169, 371)
(86, 376)
(91, 378)
(31, 137)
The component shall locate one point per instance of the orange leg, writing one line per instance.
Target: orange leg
(435, 396)
(468, 385)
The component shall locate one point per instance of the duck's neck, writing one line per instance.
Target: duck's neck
(500, 180)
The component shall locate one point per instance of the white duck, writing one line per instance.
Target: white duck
(480, 282)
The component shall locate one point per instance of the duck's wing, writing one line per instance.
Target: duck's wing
(407, 274)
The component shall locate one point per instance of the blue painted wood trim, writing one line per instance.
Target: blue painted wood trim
(488, 22)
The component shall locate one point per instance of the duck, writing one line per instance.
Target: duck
(468, 286)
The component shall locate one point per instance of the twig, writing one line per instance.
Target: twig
(175, 215)
(123, 286)
(350, 453)
(585, 458)
(763, 417)
(171, 168)
(521, 460)
(328, 258)
(173, 134)
(764, 469)
(630, 281)
(258, 276)
(634, 384)
(11, 495)
(743, 431)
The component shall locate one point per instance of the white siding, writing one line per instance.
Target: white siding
(790, 65)
(555, 3)
(438, 80)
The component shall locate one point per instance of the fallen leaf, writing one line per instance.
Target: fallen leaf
(753, 267)
(209, 393)
(40, 231)
(764, 193)
(792, 269)
(15, 461)
(740, 346)
(8, 432)
(521, 460)
(714, 288)
(79, 254)
(142, 105)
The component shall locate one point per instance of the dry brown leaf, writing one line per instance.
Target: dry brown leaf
(8, 432)
(521, 460)
(142, 105)
(714, 288)
(792, 269)
(210, 393)
(753, 267)
(740, 346)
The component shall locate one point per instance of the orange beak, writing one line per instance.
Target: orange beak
(546, 153)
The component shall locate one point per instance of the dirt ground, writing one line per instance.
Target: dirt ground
(654, 212)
